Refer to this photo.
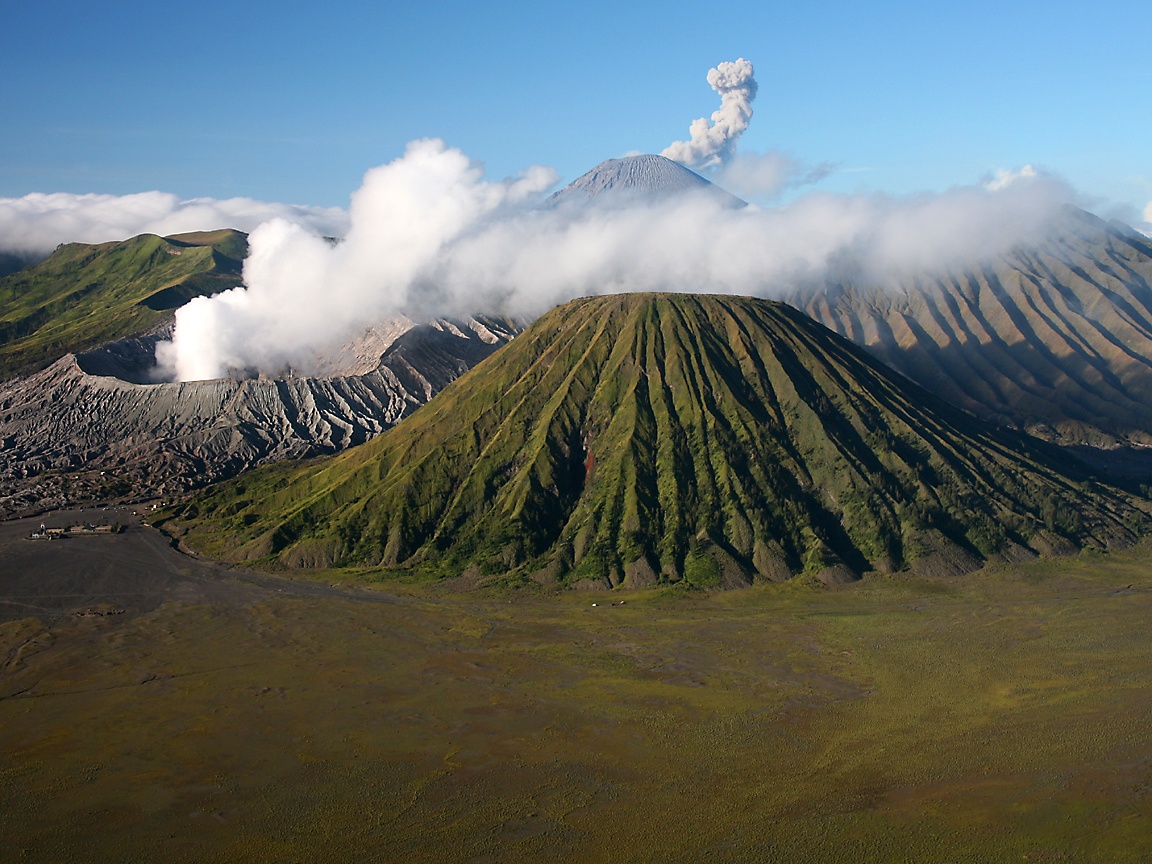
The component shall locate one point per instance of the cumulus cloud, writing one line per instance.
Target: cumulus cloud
(37, 223)
(429, 236)
(713, 143)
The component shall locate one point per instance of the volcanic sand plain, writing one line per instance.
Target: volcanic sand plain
(157, 706)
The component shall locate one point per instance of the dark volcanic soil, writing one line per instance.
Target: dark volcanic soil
(121, 574)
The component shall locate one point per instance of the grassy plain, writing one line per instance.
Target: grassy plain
(1002, 716)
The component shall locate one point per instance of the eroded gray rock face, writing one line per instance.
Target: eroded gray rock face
(90, 428)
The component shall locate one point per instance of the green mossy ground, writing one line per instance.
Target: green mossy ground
(644, 439)
(83, 296)
(1001, 717)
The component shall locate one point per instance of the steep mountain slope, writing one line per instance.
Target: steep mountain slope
(647, 178)
(636, 438)
(83, 296)
(73, 432)
(1055, 338)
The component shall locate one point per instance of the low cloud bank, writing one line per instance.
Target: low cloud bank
(764, 176)
(36, 224)
(428, 235)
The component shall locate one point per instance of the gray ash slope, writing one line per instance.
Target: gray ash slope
(69, 435)
(1054, 337)
(644, 178)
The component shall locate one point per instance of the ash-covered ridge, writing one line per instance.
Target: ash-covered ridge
(1054, 337)
(639, 178)
(90, 427)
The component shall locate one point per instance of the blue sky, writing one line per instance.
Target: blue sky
(293, 101)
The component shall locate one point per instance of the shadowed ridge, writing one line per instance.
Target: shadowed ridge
(636, 439)
(1054, 337)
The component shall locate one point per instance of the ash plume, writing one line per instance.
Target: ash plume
(712, 143)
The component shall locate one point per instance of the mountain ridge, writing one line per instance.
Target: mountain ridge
(90, 427)
(1054, 337)
(85, 295)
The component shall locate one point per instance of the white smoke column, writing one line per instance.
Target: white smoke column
(39, 222)
(303, 293)
(712, 144)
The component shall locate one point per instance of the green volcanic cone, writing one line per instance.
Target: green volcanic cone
(643, 438)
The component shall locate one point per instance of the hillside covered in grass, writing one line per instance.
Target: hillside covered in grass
(647, 438)
(85, 295)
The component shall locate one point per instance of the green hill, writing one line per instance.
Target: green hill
(637, 439)
(85, 295)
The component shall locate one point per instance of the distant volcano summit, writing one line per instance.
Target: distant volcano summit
(643, 178)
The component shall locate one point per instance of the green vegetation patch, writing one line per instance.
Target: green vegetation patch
(83, 296)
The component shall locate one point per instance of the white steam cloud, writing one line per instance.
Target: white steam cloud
(713, 143)
(303, 292)
(430, 236)
(37, 223)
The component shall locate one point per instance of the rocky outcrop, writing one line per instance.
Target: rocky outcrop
(88, 427)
